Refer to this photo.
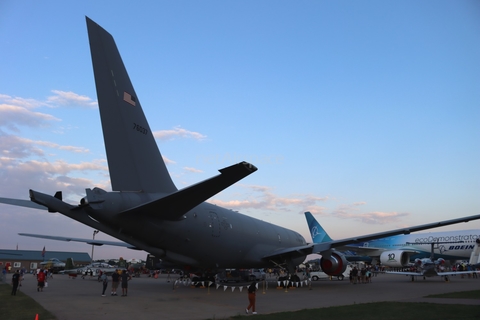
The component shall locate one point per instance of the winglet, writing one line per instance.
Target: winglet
(319, 235)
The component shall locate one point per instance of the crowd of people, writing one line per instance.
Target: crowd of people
(42, 275)
(364, 275)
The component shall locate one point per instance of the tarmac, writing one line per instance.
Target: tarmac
(149, 298)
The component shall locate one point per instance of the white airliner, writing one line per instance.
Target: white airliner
(399, 250)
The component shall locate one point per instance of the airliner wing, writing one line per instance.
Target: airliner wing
(87, 241)
(369, 250)
(291, 252)
(385, 234)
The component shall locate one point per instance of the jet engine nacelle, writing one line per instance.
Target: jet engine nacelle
(333, 263)
(395, 258)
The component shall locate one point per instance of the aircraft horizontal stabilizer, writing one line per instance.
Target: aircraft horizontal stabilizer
(54, 204)
(22, 203)
(175, 205)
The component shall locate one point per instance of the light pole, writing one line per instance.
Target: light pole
(93, 246)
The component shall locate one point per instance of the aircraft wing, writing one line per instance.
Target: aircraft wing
(294, 251)
(451, 273)
(370, 250)
(87, 241)
(175, 205)
(405, 273)
(318, 247)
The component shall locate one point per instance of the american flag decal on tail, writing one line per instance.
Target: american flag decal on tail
(129, 98)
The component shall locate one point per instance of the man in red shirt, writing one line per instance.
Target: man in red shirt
(41, 280)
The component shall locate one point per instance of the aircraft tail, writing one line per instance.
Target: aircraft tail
(134, 161)
(318, 234)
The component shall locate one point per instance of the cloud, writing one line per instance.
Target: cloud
(167, 160)
(350, 212)
(13, 116)
(22, 102)
(51, 176)
(17, 111)
(68, 98)
(262, 197)
(177, 132)
(189, 169)
(17, 147)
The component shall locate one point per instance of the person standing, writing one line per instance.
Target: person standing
(125, 278)
(104, 280)
(355, 274)
(251, 298)
(40, 280)
(115, 279)
(15, 282)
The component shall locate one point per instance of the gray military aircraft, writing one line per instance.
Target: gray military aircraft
(146, 211)
(53, 263)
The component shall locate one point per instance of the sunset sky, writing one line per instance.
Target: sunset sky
(366, 113)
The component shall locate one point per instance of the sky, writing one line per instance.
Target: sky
(366, 113)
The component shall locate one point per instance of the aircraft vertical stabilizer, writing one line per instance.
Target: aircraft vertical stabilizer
(318, 234)
(134, 161)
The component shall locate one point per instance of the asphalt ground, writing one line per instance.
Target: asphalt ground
(149, 298)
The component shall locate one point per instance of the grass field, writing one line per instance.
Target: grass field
(475, 294)
(21, 306)
(382, 311)
(389, 310)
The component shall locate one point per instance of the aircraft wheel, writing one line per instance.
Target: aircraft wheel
(314, 278)
(341, 277)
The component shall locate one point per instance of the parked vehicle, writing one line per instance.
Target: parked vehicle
(317, 275)
(256, 274)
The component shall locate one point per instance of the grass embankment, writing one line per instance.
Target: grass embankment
(21, 306)
(389, 310)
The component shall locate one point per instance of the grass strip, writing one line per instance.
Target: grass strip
(381, 311)
(20, 306)
(474, 294)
